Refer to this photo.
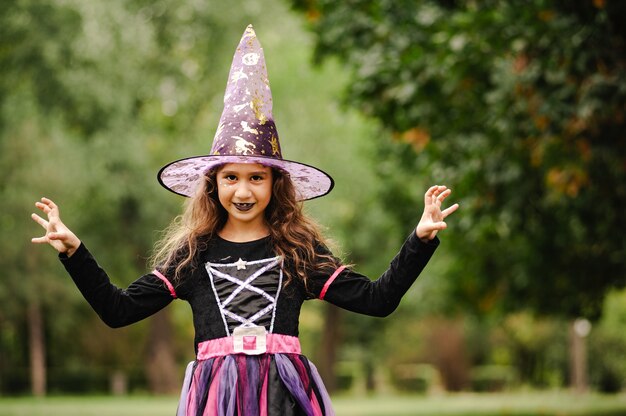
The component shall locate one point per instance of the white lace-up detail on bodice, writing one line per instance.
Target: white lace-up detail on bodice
(247, 291)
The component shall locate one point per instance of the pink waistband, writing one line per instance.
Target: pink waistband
(275, 343)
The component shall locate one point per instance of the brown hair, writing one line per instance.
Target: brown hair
(293, 235)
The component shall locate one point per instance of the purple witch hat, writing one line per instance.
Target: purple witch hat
(246, 132)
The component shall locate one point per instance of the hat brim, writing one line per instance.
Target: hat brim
(182, 176)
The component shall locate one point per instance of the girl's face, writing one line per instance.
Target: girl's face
(245, 190)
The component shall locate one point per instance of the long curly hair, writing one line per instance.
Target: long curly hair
(293, 235)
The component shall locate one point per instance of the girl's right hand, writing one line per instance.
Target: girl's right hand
(57, 234)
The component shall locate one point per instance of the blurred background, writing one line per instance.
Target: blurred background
(519, 107)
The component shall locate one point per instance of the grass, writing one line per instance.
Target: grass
(467, 404)
(518, 404)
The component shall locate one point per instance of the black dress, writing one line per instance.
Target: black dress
(248, 359)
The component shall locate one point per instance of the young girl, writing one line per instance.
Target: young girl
(245, 257)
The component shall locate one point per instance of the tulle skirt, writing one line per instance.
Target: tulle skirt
(254, 385)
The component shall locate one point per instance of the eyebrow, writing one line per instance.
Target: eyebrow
(234, 172)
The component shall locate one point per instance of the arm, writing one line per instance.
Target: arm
(357, 293)
(116, 307)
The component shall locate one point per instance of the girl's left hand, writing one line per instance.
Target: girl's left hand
(432, 218)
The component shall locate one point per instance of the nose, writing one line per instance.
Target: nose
(243, 190)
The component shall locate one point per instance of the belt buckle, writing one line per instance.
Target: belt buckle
(250, 340)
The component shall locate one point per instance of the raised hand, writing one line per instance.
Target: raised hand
(57, 234)
(433, 217)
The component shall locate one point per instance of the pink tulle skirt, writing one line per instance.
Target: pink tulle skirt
(254, 385)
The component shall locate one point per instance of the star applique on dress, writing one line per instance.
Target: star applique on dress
(241, 264)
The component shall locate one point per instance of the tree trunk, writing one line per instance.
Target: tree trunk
(331, 338)
(579, 330)
(161, 369)
(448, 348)
(37, 349)
(118, 383)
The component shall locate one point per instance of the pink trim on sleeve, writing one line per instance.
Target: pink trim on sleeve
(329, 281)
(167, 282)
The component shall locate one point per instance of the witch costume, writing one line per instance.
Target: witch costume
(248, 357)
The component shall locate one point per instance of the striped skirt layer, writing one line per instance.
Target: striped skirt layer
(254, 385)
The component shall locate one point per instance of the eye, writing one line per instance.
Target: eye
(256, 178)
(230, 177)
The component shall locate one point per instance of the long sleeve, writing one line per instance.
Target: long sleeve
(357, 293)
(116, 307)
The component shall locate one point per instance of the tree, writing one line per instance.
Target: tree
(87, 95)
(521, 110)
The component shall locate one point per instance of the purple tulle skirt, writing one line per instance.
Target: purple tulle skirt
(254, 385)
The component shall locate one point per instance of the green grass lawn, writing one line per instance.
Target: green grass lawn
(535, 403)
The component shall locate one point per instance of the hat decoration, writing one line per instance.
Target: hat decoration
(246, 132)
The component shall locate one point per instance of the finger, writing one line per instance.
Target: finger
(438, 226)
(435, 193)
(45, 208)
(440, 189)
(57, 236)
(49, 205)
(39, 220)
(428, 196)
(432, 189)
(444, 194)
(48, 202)
(435, 226)
(39, 240)
(449, 210)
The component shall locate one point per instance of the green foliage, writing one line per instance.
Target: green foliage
(88, 95)
(607, 346)
(520, 109)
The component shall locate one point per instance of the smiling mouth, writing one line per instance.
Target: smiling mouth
(243, 206)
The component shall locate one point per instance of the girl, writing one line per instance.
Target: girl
(245, 257)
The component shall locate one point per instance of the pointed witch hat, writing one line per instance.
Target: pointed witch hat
(246, 131)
